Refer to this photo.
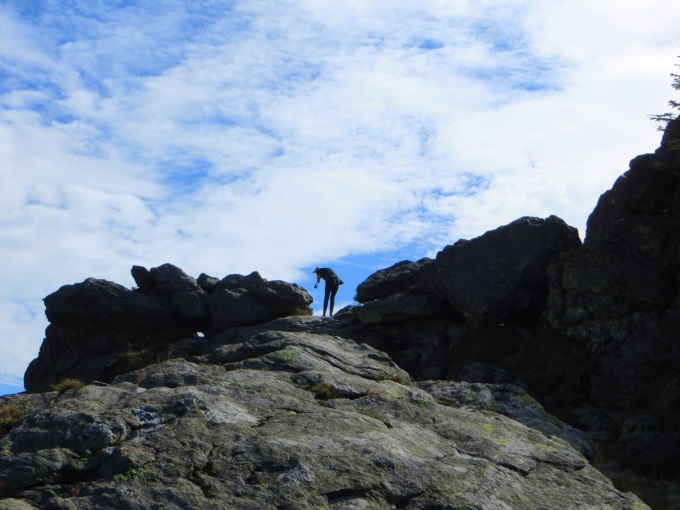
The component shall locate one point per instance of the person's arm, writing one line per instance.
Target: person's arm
(318, 279)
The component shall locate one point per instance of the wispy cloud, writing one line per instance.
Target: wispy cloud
(246, 135)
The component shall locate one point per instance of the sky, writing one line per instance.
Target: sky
(276, 136)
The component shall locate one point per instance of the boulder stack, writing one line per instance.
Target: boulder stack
(99, 329)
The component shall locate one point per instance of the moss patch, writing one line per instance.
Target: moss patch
(284, 356)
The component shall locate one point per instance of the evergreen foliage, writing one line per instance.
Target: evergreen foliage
(664, 118)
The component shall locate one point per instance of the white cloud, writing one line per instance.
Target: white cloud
(271, 136)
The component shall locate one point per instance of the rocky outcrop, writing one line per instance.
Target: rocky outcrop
(285, 416)
(501, 276)
(470, 305)
(498, 277)
(240, 300)
(99, 329)
(591, 331)
(619, 296)
(487, 377)
(400, 278)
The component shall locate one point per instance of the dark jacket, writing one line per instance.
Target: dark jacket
(329, 276)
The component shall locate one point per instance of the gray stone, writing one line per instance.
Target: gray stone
(242, 301)
(100, 329)
(501, 275)
(169, 278)
(284, 295)
(510, 401)
(207, 283)
(190, 305)
(99, 301)
(268, 407)
(230, 308)
(238, 281)
(399, 278)
(399, 307)
(296, 420)
(142, 278)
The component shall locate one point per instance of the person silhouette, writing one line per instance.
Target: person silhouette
(333, 283)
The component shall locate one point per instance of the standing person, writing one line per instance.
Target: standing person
(333, 283)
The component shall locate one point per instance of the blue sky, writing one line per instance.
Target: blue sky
(232, 136)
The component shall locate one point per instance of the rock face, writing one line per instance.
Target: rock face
(620, 294)
(591, 331)
(501, 275)
(282, 415)
(429, 314)
(99, 329)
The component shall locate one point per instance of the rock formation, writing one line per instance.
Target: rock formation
(287, 415)
(99, 329)
(591, 331)
(489, 377)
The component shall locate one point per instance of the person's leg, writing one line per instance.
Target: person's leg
(334, 291)
(327, 293)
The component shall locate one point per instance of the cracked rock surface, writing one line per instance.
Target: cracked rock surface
(287, 417)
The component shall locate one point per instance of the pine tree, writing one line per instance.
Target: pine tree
(664, 118)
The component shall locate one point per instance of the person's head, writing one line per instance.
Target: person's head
(316, 270)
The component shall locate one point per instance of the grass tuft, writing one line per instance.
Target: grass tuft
(10, 414)
(68, 384)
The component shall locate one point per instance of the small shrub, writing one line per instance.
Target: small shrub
(372, 392)
(371, 413)
(421, 402)
(490, 406)
(10, 414)
(68, 384)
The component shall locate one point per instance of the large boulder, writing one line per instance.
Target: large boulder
(170, 284)
(287, 420)
(511, 401)
(501, 275)
(102, 302)
(86, 354)
(402, 277)
(240, 300)
(169, 279)
(618, 298)
(399, 307)
(94, 326)
(238, 307)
